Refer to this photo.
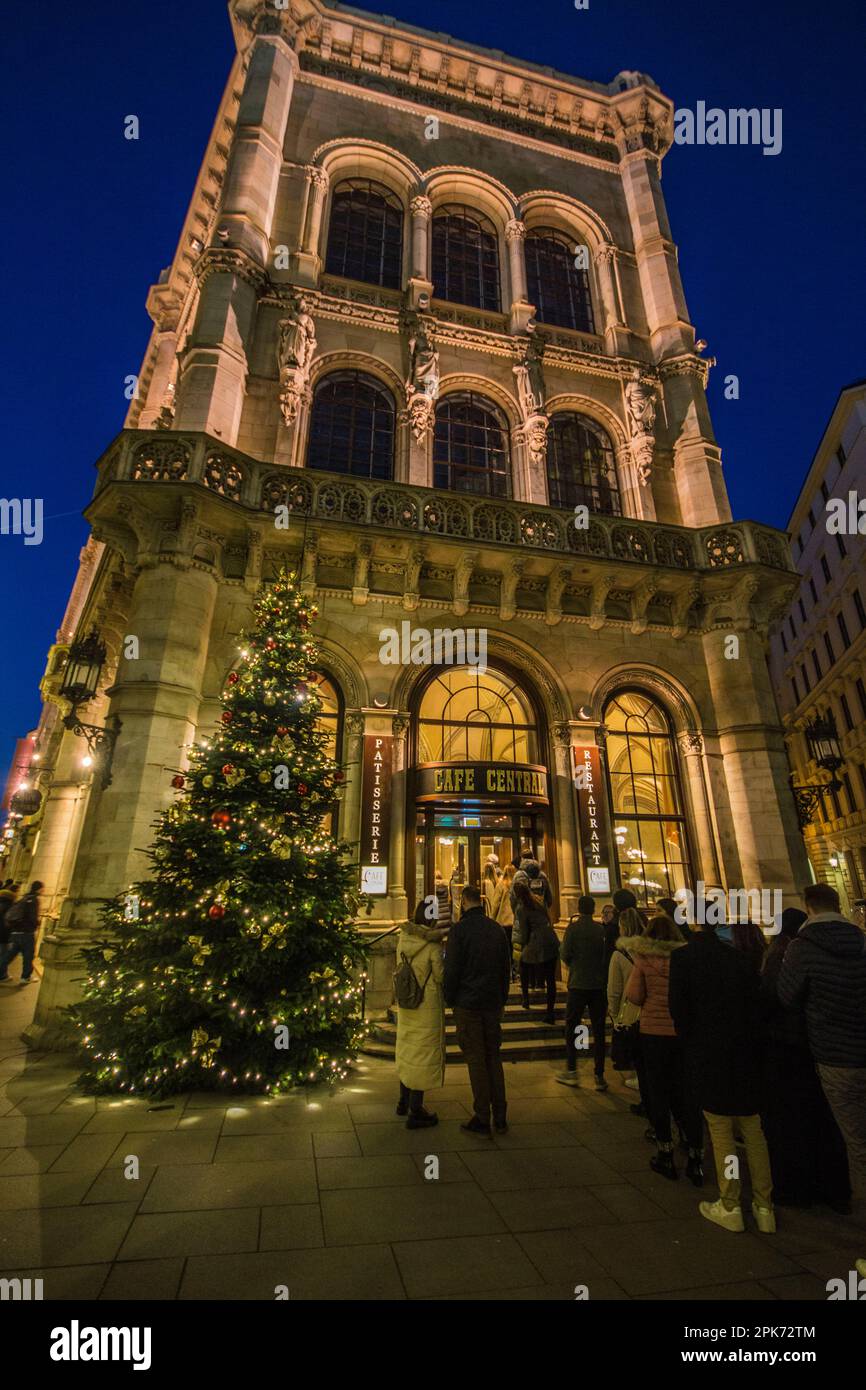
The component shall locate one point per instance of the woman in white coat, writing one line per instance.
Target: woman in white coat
(421, 1031)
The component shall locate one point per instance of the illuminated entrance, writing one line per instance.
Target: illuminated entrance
(480, 793)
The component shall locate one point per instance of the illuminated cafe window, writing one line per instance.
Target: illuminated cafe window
(645, 798)
(557, 288)
(328, 725)
(468, 717)
(365, 234)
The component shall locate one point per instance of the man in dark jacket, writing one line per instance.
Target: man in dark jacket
(22, 919)
(824, 975)
(714, 1000)
(584, 951)
(476, 982)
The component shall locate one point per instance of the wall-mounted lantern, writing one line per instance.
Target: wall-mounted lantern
(79, 685)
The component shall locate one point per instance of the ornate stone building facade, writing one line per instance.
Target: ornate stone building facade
(425, 338)
(818, 648)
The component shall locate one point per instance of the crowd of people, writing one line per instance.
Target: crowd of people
(19, 924)
(755, 1038)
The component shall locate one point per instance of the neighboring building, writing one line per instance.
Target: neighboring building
(818, 650)
(425, 308)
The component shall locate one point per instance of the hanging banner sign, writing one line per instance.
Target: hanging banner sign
(375, 838)
(592, 818)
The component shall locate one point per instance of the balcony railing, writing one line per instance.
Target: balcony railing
(166, 458)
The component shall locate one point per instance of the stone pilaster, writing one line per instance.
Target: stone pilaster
(308, 259)
(758, 797)
(520, 310)
(157, 700)
(420, 285)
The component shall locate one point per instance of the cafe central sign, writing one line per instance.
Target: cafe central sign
(482, 782)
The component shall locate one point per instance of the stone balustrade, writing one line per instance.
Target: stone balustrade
(167, 458)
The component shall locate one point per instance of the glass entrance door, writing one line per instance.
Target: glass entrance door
(454, 847)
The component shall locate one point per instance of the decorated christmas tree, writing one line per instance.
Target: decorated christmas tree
(236, 965)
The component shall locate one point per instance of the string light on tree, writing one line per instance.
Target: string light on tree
(248, 917)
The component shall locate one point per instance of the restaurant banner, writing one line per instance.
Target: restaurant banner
(375, 837)
(592, 818)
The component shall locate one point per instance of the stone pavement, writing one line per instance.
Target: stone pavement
(326, 1194)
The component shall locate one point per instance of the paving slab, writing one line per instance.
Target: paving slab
(79, 1283)
(261, 1148)
(546, 1208)
(521, 1169)
(358, 1274)
(382, 1215)
(191, 1233)
(291, 1228)
(149, 1280)
(207, 1186)
(661, 1256)
(63, 1235)
(174, 1147)
(465, 1264)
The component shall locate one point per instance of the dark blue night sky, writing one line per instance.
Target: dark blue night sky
(771, 249)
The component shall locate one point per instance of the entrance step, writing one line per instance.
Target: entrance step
(525, 1037)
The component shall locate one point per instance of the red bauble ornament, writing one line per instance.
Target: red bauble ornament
(221, 818)
(229, 767)
(270, 644)
(339, 776)
(227, 716)
(232, 678)
(178, 781)
(216, 911)
(302, 789)
(282, 730)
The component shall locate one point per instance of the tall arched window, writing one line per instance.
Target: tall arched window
(580, 465)
(646, 801)
(465, 258)
(476, 717)
(352, 426)
(365, 235)
(557, 288)
(328, 723)
(470, 448)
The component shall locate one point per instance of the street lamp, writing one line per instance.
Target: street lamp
(825, 749)
(79, 684)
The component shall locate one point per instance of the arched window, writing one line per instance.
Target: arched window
(557, 288)
(470, 448)
(476, 717)
(580, 465)
(352, 426)
(365, 234)
(465, 258)
(328, 722)
(646, 801)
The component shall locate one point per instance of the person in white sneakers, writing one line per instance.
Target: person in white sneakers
(715, 1003)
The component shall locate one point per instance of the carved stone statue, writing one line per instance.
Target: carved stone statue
(530, 380)
(295, 352)
(422, 386)
(640, 399)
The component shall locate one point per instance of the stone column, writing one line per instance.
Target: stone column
(252, 177)
(703, 498)
(762, 810)
(614, 327)
(157, 701)
(692, 755)
(161, 387)
(214, 364)
(420, 285)
(308, 260)
(520, 310)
